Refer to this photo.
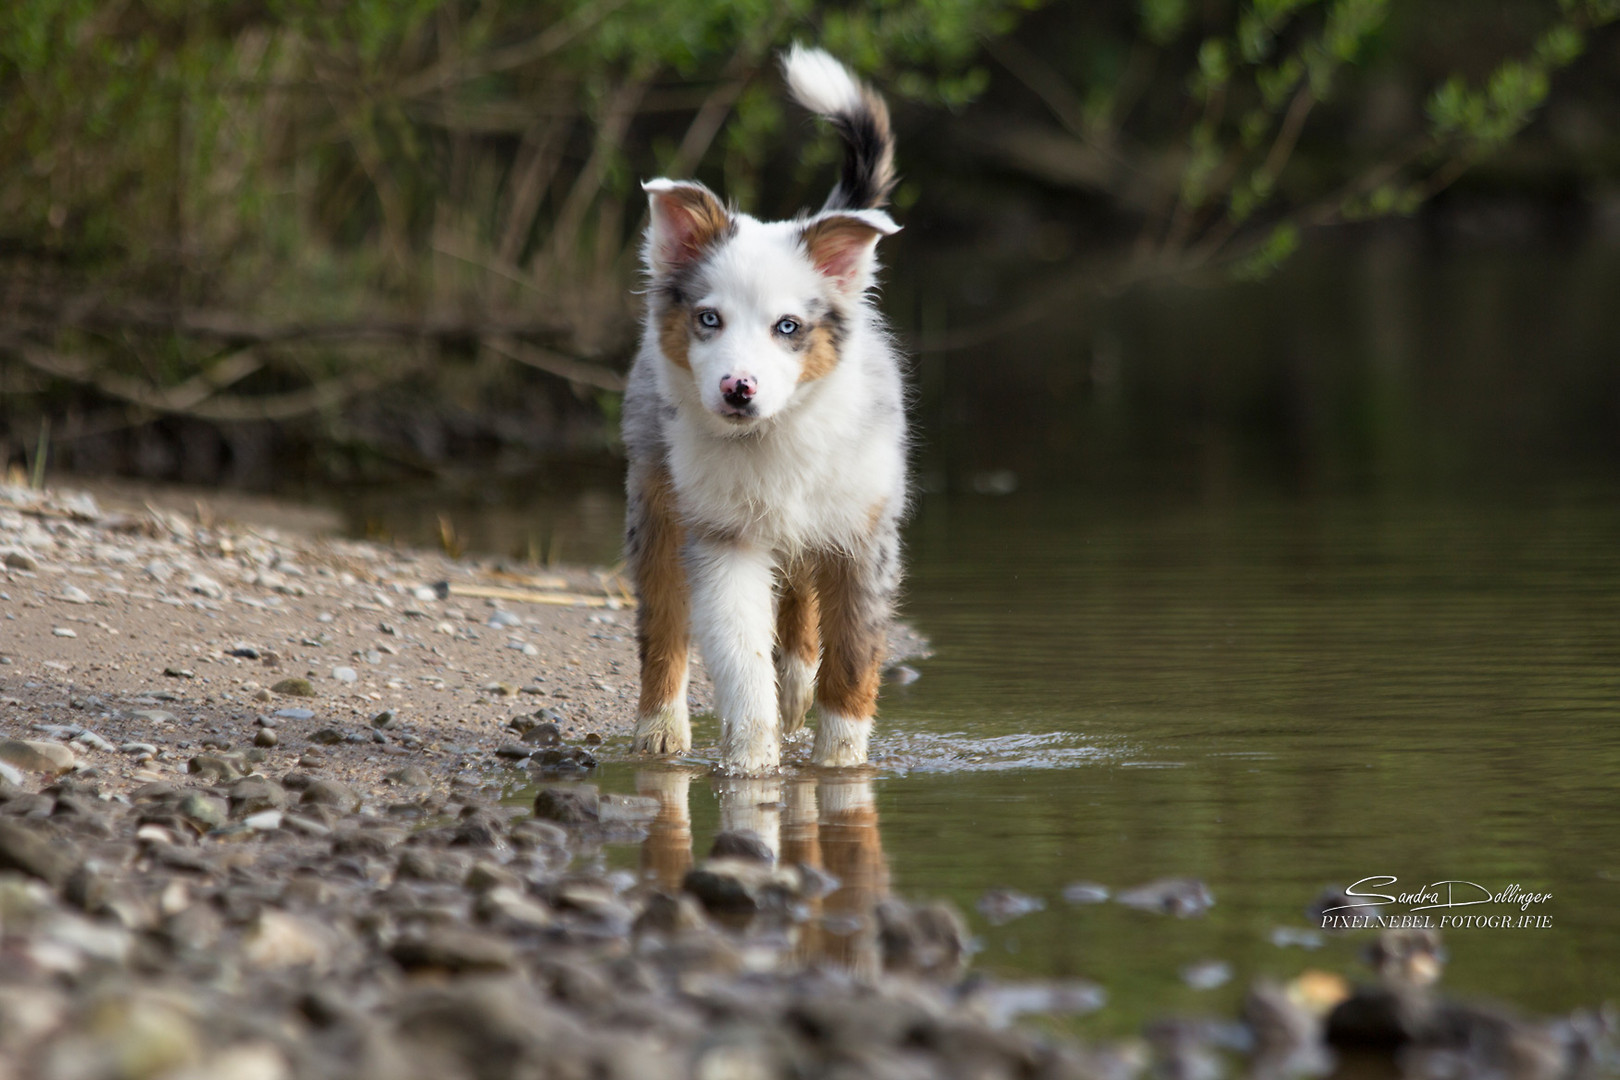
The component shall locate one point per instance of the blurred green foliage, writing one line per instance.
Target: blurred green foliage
(260, 209)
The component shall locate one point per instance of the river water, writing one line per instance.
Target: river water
(1277, 588)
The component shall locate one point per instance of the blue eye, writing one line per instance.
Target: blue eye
(787, 327)
(710, 318)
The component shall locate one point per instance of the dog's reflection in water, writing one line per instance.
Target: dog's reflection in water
(827, 824)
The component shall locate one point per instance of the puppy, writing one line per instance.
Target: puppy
(764, 425)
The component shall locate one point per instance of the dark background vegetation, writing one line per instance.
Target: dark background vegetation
(275, 243)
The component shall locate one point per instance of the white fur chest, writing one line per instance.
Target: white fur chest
(820, 476)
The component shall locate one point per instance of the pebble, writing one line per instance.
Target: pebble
(21, 560)
(333, 793)
(63, 631)
(203, 585)
(266, 737)
(37, 756)
(345, 675)
(294, 714)
(1085, 892)
(293, 688)
(1002, 906)
(384, 720)
(739, 844)
(72, 594)
(203, 810)
(568, 804)
(413, 776)
(1182, 897)
(328, 737)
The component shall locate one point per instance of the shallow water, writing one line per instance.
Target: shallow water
(1268, 695)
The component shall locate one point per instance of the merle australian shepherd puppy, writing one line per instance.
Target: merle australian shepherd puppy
(767, 442)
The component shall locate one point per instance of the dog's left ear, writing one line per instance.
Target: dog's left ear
(842, 243)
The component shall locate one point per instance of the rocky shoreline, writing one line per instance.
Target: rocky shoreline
(255, 823)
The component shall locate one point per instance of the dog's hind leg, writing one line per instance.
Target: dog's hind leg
(856, 589)
(653, 541)
(798, 646)
(732, 615)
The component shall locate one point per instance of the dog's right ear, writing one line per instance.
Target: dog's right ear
(686, 219)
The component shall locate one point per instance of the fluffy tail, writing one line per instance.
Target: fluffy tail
(824, 86)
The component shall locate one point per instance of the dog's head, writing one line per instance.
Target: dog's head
(752, 311)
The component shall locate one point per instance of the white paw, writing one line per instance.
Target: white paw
(667, 731)
(750, 752)
(841, 740)
(795, 691)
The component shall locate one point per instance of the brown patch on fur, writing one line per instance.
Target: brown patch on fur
(852, 626)
(663, 623)
(820, 355)
(692, 220)
(674, 334)
(798, 620)
(836, 244)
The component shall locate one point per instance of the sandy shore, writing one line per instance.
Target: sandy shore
(151, 628)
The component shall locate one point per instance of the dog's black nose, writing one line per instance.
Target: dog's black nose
(738, 391)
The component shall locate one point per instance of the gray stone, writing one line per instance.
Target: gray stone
(204, 811)
(569, 804)
(21, 560)
(34, 853)
(739, 844)
(253, 794)
(209, 767)
(37, 756)
(742, 885)
(333, 793)
(293, 688)
(412, 776)
(266, 737)
(328, 737)
(455, 951)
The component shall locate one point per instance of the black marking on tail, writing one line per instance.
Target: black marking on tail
(868, 173)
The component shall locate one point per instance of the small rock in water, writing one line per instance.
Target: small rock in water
(1085, 892)
(1292, 936)
(294, 688)
(928, 940)
(1207, 974)
(1182, 897)
(901, 675)
(1001, 906)
(569, 804)
(742, 844)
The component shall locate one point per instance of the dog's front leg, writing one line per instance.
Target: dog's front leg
(856, 589)
(733, 618)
